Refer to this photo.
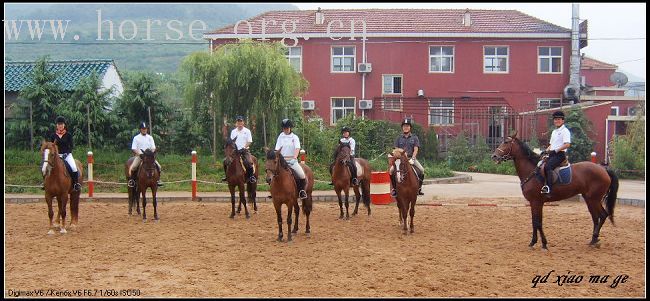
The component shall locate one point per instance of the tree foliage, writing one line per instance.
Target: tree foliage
(628, 151)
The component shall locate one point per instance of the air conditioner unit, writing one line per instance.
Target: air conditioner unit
(631, 111)
(308, 105)
(365, 104)
(365, 67)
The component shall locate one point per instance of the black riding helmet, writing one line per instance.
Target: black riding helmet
(558, 114)
(143, 125)
(286, 123)
(239, 117)
(407, 121)
(60, 119)
(346, 129)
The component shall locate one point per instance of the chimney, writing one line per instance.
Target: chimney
(466, 19)
(574, 75)
(320, 17)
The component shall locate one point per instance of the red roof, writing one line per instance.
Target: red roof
(589, 63)
(400, 21)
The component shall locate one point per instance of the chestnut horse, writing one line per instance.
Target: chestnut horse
(134, 198)
(58, 184)
(236, 177)
(284, 191)
(341, 178)
(407, 186)
(148, 177)
(592, 181)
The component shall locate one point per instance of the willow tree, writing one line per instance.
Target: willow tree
(248, 78)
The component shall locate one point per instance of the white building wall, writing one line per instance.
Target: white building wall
(112, 79)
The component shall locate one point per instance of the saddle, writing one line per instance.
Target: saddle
(561, 175)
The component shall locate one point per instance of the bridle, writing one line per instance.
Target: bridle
(47, 153)
(346, 158)
(507, 156)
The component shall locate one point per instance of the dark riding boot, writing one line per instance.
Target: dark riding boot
(301, 188)
(353, 171)
(225, 172)
(133, 179)
(75, 181)
(249, 170)
(159, 183)
(420, 182)
(393, 181)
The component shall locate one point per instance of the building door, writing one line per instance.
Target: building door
(496, 125)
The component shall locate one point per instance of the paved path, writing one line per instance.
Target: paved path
(481, 188)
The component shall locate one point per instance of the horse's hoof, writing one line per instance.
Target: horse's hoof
(279, 239)
(51, 232)
(73, 227)
(232, 216)
(144, 220)
(63, 231)
(412, 231)
(248, 216)
(255, 212)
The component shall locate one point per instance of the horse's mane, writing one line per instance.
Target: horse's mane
(528, 153)
(341, 146)
(270, 155)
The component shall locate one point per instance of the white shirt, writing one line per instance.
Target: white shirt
(289, 144)
(559, 137)
(143, 142)
(352, 143)
(244, 136)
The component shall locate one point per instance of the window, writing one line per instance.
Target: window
(547, 103)
(495, 59)
(441, 112)
(392, 84)
(614, 111)
(343, 59)
(392, 104)
(294, 55)
(341, 107)
(441, 59)
(550, 59)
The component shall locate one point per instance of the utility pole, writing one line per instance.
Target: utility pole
(150, 125)
(90, 145)
(31, 125)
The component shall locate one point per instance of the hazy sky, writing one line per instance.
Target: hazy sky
(616, 30)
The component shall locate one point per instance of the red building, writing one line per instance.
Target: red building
(450, 70)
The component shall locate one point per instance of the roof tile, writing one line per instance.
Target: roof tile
(18, 74)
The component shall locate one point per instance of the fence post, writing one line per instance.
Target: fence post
(91, 184)
(194, 159)
(593, 157)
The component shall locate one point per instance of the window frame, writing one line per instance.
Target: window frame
(550, 100)
(332, 108)
(550, 57)
(450, 109)
(497, 56)
(453, 58)
(288, 56)
(401, 76)
(343, 56)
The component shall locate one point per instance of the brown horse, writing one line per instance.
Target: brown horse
(148, 177)
(407, 186)
(236, 177)
(59, 184)
(341, 178)
(592, 181)
(284, 191)
(134, 198)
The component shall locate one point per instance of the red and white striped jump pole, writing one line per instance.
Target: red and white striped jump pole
(194, 159)
(91, 184)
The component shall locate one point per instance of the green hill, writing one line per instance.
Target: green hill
(139, 41)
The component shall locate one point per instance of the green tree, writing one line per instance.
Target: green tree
(629, 150)
(581, 144)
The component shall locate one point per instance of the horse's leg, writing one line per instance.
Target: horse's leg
(347, 204)
(278, 212)
(50, 213)
(404, 213)
(136, 195)
(154, 189)
(144, 205)
(252, 195)
(306, 207)
(536, 207)
(74, 209)
(399, 211)
(338, 196)
(598, 216)
(296, 210)
(63, 203)
(366, 194)
(232, 200)
(242, 198)
(357, 196)
(412, 213)
(289, 212)
(129, 192)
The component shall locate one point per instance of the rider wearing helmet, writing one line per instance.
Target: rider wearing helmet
(142, 141)
(290, 145)
(558, 145)
(346, 132)
(243, 139)
(63, 140)
(411, 144)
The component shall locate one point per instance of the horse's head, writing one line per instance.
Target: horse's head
(49, 152)
(148, 156)
(343, 153)
(274, 162)
(506, 150)
(399, 159)
(230, 150)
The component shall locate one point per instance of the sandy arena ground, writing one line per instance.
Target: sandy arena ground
(197, 251)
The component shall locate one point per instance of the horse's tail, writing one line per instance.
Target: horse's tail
(306, 206)
(611, 194)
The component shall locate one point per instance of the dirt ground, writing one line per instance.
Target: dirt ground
(195, 250)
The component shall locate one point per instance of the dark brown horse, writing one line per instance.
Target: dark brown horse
(59, 184)
(236, 177)
(592, 181)
(134, 197)
(407, 186)
(341, 178)
(284, 191)
(148, 177)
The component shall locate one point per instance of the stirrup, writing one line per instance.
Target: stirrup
(252, 180)
(331, 183)
(224, 179)
(131, 183)
(545, 189)
(420, 191)
(393, 193)
(302, 194)
(76, 187)
(160, 184)
(43, 186)
(355, 181)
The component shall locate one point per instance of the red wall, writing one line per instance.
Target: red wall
(597, 77)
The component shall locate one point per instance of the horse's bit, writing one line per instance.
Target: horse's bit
(507, 156)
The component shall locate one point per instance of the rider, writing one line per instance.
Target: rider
(411, 144)
(345, 132)
(63, 140)
(559, 143)
(142, 141)
(290, 144)
(243, 139)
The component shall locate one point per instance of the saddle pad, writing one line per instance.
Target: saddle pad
(562, 175)
(359, 169)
